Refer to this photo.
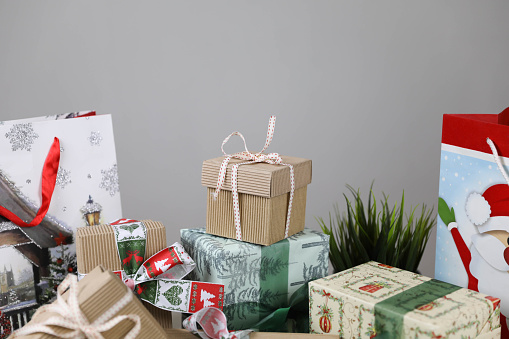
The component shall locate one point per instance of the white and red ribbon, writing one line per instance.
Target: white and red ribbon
(213, 322)
(252, 158)
(69, 316)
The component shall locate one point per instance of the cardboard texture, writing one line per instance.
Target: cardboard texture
(257, 279)
(260, 179)
(98, 292)
(96, 246)
(262, 220)
(184, 334)
(371, 298)
(263, 199)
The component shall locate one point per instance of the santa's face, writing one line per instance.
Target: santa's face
(490, 265)
(493, 246)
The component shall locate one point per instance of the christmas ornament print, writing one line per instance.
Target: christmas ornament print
(373, 299)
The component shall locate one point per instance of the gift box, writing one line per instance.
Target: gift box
(374, 299)
(263, 199)
(184, 334)
(98, 292)
(97, 246)
(259, 279)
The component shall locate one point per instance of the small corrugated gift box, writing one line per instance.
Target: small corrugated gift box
(256, 197)
(374, 299)
(136, 251)
(259, 280)
(100, 295)
(96, 245)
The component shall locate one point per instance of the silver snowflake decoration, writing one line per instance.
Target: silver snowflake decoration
(95, 138)
(63, 177)
(21, 136)
(109, 180)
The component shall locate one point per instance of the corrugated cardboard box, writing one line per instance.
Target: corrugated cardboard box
(95, 245)
(263, 199)
(98, 292)
(374, 299)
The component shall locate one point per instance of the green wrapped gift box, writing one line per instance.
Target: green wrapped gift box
(377, 300)
(263, 284)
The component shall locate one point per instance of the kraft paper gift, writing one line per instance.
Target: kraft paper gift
(57, 173)
(256, 197)
(134, 251)
(97, 246)
(98, 292)
(472, 230)
(374, 299)
(258, 279)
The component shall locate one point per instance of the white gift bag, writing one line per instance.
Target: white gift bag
(69, 162)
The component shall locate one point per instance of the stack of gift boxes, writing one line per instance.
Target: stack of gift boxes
(257, 262)
(262, 268)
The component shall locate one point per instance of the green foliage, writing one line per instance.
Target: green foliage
(380, 233)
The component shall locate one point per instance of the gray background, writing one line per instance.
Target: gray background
(359, 87)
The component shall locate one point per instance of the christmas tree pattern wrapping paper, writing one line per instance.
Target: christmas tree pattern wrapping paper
(374, 299)
(36, 259)
(258, 279)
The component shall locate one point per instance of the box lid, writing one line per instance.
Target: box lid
(259, 179)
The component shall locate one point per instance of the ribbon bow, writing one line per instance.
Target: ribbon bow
(157, 280)
(69, 316)
(213, 322)
(252, 158)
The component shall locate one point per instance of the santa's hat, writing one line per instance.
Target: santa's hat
(489, 211)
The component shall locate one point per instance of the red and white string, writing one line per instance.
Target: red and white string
(252, 158)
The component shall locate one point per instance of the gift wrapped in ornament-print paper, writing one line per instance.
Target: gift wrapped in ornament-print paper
(259, 279)
(377, 300)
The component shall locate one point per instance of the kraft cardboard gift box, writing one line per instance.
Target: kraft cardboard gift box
(98, 292)
(258, 279)
(96, 245)
(263, 199)
(374, 299)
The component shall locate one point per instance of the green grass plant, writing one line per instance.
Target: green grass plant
(382, 233)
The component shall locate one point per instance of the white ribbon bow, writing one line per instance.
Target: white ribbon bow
(70, 317)
(252, 158)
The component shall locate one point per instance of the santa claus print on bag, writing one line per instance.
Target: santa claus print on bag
(479, 228)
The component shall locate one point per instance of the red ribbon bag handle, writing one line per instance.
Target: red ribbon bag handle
(49, 177)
